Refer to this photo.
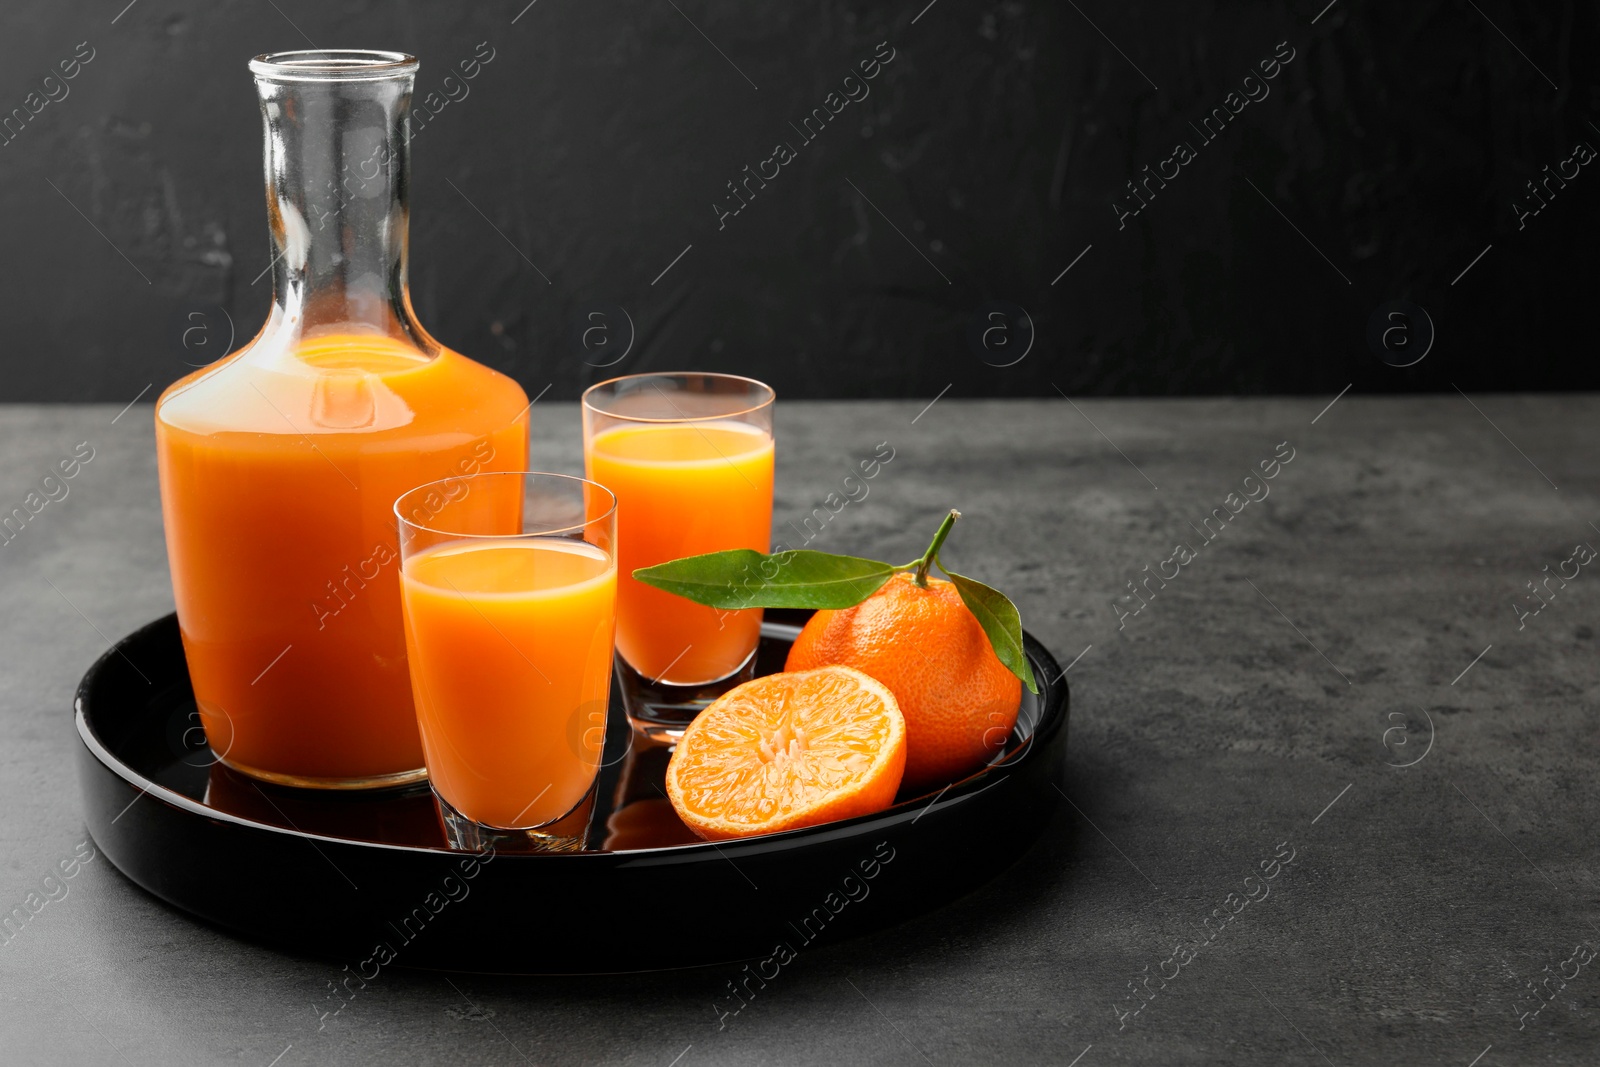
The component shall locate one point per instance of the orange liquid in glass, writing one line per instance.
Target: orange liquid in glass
(510, 646)
(683, 490)
(279, 473)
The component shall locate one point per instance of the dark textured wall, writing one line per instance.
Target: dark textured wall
(994, 148)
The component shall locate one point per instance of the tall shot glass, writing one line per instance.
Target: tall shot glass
(690, 458)
(509, 584)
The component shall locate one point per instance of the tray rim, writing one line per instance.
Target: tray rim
(961, 790)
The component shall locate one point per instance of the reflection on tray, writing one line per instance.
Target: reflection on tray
(635, 814)
(158, 737)
(405, 816)
(641, 815)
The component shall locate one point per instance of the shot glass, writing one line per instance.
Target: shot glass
(690, 459)
(509, 586)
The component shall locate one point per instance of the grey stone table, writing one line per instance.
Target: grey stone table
(1350, 673)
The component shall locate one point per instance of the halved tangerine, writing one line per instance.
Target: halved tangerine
(789, 750)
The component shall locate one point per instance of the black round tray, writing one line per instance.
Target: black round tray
(368, 878)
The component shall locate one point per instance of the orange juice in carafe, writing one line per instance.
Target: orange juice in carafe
(280, 464)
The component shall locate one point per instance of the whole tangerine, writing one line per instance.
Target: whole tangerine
(959, 702)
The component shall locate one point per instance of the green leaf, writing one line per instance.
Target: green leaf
(1000, 620)
(745, 578)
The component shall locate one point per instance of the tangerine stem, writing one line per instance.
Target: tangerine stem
(921, 575)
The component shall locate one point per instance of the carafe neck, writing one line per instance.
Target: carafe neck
(337, 160)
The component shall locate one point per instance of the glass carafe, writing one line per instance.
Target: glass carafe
(280, 463)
